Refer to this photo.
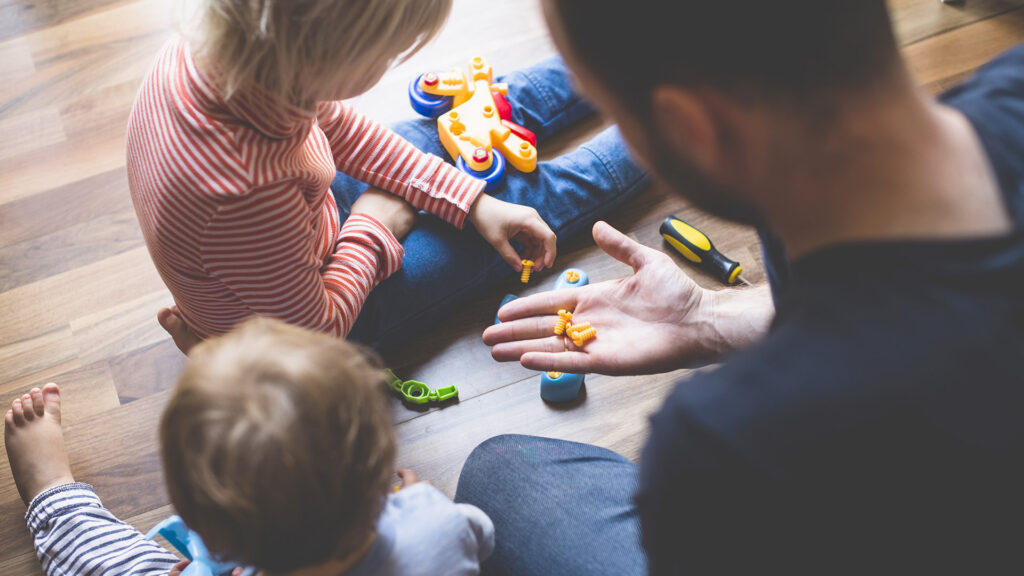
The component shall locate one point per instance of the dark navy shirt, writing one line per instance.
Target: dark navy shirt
(879, 426)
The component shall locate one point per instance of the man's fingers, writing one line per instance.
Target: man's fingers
(540, 304)
(522, 329)
(570, 362)
(514, 351)
(618, 245)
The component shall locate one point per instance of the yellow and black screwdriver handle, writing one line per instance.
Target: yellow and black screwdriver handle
(696, 247)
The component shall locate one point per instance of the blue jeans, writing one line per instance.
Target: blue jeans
(558, 507)
(444, 267)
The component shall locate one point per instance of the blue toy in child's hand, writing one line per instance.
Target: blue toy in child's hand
(560, 386)
(191, 546)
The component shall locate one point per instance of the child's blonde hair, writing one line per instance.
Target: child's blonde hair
(278, 445)
(302, 51)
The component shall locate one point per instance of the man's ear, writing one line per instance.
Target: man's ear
(686, 124)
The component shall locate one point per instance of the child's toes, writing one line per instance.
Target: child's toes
(26, 407)
(18, 411)
(9, 419)
(37, 401)
(51, 398)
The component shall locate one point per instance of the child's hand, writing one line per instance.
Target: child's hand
(408, 478)
(393, 212)
(499, 222)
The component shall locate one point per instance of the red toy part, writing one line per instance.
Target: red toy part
(520, 131)
(501, 103)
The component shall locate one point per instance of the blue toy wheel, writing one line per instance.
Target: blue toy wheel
(429, 105)
(492, 176)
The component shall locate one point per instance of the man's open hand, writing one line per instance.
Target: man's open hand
(656, 320)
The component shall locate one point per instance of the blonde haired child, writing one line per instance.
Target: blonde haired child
(260, 193)
(278, 451)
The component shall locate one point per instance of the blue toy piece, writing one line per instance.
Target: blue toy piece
(572, 278)
(492, 176)
(508, 298)
(191, 546)
(425, 104)
(559, 386)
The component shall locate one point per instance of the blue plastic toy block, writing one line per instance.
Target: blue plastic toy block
(191, 546)
(560, 387)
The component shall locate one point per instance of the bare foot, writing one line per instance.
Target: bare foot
(183, 336)
(35, 444)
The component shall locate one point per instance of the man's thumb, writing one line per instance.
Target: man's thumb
(618, 245)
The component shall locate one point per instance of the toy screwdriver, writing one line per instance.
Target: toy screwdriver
(696, 247)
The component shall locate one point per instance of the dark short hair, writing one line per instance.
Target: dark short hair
(785, 48)
(278, 445)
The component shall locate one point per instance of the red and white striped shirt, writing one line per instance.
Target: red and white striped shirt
(234, 204)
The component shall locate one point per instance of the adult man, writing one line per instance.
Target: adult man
(878, 419)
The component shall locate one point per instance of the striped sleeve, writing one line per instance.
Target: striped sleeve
(75, 535)
(369, 152)
(261, 247)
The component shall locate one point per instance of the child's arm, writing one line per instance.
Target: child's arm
(374, 154)
(75, 534)
(263, 248)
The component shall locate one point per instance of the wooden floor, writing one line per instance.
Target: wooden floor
(79, 295)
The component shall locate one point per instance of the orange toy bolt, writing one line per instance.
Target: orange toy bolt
(583, 336)
(527, 268)
(563, 322)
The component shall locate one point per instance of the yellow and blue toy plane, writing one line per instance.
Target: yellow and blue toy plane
(474, 121)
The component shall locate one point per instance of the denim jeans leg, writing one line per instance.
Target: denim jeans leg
(558, 507)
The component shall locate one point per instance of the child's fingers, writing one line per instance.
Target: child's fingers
(509, 255)
(408, 477)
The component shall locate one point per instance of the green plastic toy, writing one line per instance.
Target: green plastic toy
(416, 392)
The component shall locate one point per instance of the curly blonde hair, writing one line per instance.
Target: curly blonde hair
(278, 445)
(304, 51)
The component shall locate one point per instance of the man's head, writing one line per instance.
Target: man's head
(303, 51)
(278, 446)
(705, 91)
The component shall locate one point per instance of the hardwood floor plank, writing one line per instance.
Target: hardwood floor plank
(19, 17)
(146, 370)
(961, 51)
(69, 248)
(65, 206)
(28, 132)
(85, 390)
(51, 303)
(916, 20)
(36, 350)
(120, 329)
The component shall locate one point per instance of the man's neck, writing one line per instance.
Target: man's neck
(898, 167)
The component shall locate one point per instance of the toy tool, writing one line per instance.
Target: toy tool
(416, 392)
(191, 546)
(696, 247)
(474, 121)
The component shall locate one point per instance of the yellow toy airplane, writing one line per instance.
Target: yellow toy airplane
(474, 121)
